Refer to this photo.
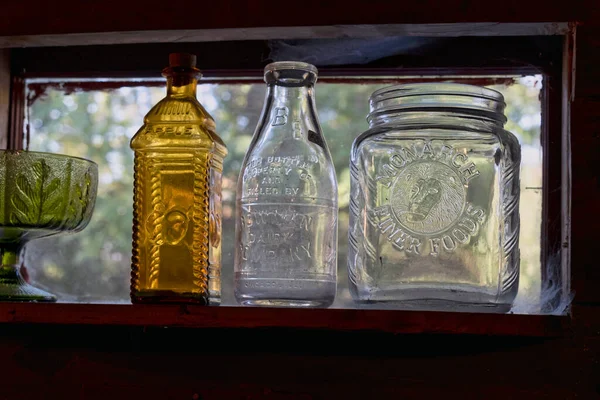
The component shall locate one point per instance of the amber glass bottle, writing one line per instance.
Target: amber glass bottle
(177, 196)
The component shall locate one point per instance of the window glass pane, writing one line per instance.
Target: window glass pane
(94, 265)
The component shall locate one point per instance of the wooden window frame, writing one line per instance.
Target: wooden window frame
(121, 60)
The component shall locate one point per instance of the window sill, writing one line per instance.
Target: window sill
(388, 321)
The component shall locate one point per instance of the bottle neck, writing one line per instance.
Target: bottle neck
(291, 107)
(292, 96)
(181, 84)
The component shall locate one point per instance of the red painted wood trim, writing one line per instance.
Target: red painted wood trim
(391, 321)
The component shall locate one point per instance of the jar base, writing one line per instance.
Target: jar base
(435, 305)
(435, 299)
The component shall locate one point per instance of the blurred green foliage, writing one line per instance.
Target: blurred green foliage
(94, 265)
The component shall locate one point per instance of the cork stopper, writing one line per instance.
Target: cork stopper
(184, 60)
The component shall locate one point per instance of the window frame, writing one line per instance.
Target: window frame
(557, 92)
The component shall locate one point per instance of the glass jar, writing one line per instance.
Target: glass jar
(434, 207)
(286, 227)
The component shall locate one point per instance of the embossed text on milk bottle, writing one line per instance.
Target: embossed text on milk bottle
(434, 219)
(286, 229)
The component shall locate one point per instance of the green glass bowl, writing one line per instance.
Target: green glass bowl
(41, 194)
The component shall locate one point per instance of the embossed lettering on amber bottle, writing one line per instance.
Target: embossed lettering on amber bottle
(177, 196)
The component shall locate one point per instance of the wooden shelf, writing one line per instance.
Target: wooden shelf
(389, 321)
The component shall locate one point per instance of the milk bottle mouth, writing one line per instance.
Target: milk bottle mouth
(290, 73)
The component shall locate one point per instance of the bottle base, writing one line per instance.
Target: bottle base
(285, 292)
(171, 297)
(286, 303)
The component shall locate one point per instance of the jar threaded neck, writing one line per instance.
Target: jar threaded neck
(450, 98)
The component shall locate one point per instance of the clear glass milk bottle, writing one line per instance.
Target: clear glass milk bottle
(434, 208)
(177, 196)
(286, 227)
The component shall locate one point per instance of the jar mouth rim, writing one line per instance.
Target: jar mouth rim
(437, 88)
(290, 65)
(438, 96)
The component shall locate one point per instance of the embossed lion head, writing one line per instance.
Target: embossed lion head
(428, 197)
(425, 194)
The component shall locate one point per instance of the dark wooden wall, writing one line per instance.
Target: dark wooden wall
(57, 361)
(115, 362)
